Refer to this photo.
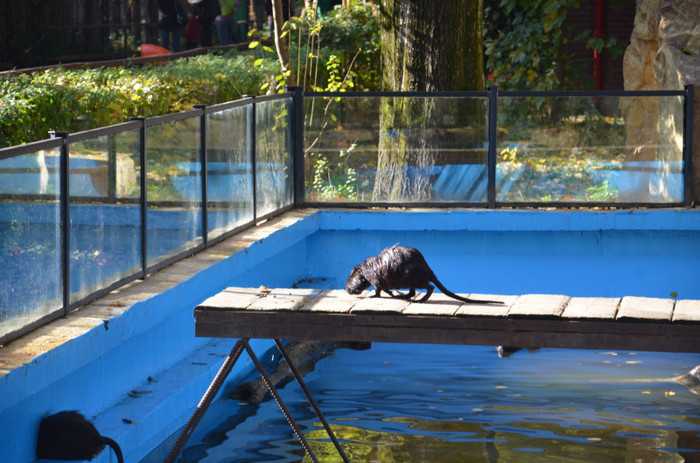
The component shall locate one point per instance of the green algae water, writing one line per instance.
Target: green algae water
(437, 403)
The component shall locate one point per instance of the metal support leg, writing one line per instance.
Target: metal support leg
(283, 407)
(221, 376)
(207, 399)
(311, 400)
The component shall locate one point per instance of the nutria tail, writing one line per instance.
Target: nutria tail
(117, 451)
(460, 298)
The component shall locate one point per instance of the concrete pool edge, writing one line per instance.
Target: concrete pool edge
(514, 219)
(76, 356)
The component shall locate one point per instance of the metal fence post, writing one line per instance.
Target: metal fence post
(491, 160)
(65, 218)
(111, 167)
(143, 198)
(297, 144)
(689, 193)
(252, 145)
(203, 160)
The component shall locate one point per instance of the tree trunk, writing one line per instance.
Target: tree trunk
(426, 46)
(280, 44)
(432, 46)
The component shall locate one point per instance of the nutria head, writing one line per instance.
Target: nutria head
(356, 281)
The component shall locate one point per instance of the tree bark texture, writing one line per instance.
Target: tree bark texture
(280, 44)
(426, 46)
(430, 45)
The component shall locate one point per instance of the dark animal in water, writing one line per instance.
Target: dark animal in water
(69, 435)
(399, 267)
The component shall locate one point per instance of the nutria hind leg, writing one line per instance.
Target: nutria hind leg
(429, 290)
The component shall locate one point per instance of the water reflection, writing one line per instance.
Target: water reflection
(424, 403)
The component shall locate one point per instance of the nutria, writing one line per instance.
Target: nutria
(69, 435)
(399, 267)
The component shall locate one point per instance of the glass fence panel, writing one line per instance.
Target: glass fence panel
(174, 189)
(396, 149)
(105, 211)
(30, 239)
(391, 149)
(229, 170)
(273, 163)
(582, 149)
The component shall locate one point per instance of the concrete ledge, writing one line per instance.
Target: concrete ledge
(514, 220)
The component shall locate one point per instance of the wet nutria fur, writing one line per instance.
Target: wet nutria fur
(70, 436)
(398, 267)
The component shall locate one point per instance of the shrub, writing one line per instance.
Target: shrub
(74, 100)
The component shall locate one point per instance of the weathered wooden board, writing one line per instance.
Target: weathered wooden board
(539, 305)
(335, 300)
(284, 299)
(645, 308)
(233, 297)
(687, 310)
(438, 305)
(523, 321)
(592, 307)
(476, 309)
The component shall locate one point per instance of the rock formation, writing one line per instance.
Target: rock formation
(641, 114)
(676, 65)
(664, 54)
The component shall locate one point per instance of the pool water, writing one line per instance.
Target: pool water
(437, 403)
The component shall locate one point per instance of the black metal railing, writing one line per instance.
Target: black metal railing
(85, 213)
(497, 149)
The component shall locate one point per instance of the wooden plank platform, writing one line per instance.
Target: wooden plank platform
(531, 320)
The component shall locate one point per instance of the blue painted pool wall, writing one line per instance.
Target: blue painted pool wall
(648, 253)
(511, 220)
(95, 371)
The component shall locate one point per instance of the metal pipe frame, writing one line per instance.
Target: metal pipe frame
(295, 136)
(64, 189)
(688, 145)
(493, 96)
